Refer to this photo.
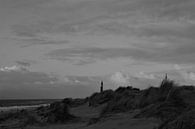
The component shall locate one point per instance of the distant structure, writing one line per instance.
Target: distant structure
(101, 86)
(164, 80)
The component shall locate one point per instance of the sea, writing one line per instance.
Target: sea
(18, 104)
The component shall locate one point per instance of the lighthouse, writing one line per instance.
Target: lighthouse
(101, 86)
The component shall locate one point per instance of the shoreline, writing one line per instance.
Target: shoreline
(10, 108)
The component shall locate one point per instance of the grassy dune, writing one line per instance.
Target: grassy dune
(168, 106)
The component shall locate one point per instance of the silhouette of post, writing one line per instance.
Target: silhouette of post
(165, 79)
(101, 86)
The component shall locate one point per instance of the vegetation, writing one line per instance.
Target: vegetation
(74, 102)
(101, 98)
(172, 104)
(55, 113)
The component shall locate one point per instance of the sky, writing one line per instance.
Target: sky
(63, 48)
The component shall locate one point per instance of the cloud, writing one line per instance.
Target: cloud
(145, 75)
(172, 29)
(120, 79)
(25, 41)
(40, 41)
(21, 75)
(142, 18)
(168, 25)
(177, 67)
(90, 55)
(18, 77)
(13, 68)
(141, 80)
(80, 80)
(156, 31)
(38, 85)
(187, 75)
(22, 63)
(86, 55)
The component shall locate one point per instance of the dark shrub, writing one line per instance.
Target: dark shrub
(67, 101)
(101, 98)
(149, 96)
(122, 89)
(185, 121)
(124, 99)
(58, 112)
(165, 87)
(74, 102)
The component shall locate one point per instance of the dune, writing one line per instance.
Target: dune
(169, 106)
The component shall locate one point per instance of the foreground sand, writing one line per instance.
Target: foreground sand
(116, 121)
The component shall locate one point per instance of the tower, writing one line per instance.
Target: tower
(101, 86)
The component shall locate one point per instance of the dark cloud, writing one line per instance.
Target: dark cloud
(89, 55)
(167, 30)
(22, 63)
(159, 31)
(24, 31)
(176, 54)
(32, 42)
(138, 18)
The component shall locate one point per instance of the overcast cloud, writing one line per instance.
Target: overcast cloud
(70, 43)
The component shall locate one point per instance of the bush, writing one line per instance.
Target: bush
(124, 99)
(101, 98)
(149, 96)
(74, 102)
(166, 86)
(58, 112)
(185, 121)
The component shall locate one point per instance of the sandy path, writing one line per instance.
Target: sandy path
(124, 121)
(116, 121)
(85, 111)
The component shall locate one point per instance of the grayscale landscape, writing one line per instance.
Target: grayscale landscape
(97, 64)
